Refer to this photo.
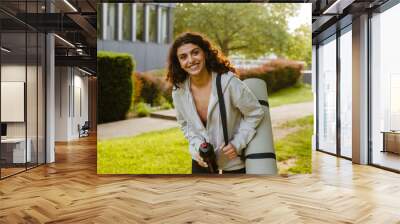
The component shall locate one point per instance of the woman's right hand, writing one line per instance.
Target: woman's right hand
(200, 161)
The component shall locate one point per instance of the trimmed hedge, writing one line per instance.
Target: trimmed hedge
(278, 74)
(154, 90)
(114, 85)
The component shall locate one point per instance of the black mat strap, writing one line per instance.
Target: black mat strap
(222, 109)
(267, 155)
(264, 103)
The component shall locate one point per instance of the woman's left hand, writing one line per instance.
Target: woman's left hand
(230, 151)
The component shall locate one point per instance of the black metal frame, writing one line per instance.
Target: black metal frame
(338, 99)
(369, 90)
(317, 97)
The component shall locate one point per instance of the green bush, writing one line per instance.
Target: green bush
(114, 85)
(278, 74)
(166, 106)
(142, 110)
(161, 100)
(150, 89)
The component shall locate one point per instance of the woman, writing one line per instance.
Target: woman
(193, 65)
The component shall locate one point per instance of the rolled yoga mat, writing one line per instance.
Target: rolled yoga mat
(260, 152)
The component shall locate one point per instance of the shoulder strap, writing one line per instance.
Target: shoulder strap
(222, 108)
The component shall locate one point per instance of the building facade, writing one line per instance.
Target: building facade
(144, 30)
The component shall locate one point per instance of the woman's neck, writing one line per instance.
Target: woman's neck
(201, 80)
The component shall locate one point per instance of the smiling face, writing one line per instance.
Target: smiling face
(192, 59)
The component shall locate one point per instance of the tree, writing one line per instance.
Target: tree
(299, 47)
(248, 29)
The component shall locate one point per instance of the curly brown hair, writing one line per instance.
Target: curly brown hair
(215, 61)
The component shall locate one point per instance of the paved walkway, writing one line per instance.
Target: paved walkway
(132, 127)
(291, 112)
(166, 119)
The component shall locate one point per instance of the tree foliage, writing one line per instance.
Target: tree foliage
(299, 47)
(250, 29)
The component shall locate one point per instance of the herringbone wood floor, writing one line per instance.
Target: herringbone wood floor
(70, 191)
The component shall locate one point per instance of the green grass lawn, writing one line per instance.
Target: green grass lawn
(295, 94)
(166, 152)
(301, 122)
(161, 152)
(296, 146)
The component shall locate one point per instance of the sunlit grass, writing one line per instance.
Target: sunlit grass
(296, 146)
(295, 94)
(161, 152)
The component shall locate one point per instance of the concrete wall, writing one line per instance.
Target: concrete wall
(148, 56)
(360, 90)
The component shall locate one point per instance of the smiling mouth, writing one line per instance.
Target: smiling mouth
(194, 66)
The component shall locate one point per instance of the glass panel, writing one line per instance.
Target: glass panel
(13, 87)
(31, 98)
(41, 98)
(385, 86)
(22, 89)
(139, 21)
(346, 94)
(327, 96)
(127, 21)
(152, 24)
(164, 25)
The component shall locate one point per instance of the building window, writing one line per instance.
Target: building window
(112, 21)
(127, 21)
(139, 21)
(152, 23)
(164, 25)
(385, 89)
(346, 94)
(327, 96)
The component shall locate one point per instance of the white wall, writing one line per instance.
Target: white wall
(80, 102)
(71, 87)
(62, 80)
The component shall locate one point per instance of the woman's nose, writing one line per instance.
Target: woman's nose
(190, 59)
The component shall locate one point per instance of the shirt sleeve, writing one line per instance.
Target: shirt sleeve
(194, 140)
(252, 113)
